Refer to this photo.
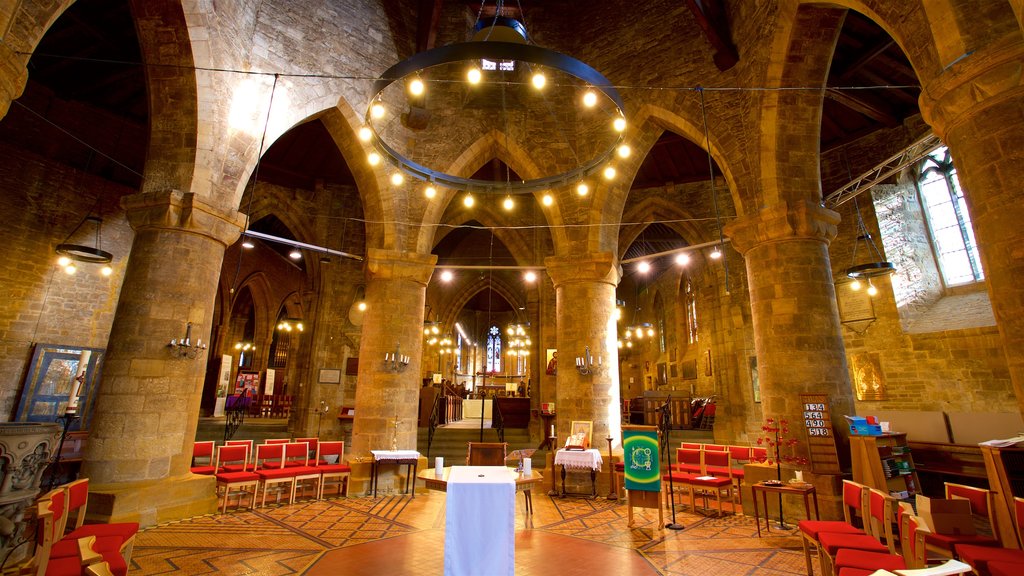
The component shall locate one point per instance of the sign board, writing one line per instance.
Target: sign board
(821, 439)
(268, 385)
(641, 457)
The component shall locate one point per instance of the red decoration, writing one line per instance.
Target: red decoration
(781, 446)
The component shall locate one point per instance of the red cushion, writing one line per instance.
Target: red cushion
(685, 468)
(123, 530)
(717, 470)
(979, 556)
(850, 558)
(678, 477)
(854, 572)
(947, 541)
(70, 566)
(832, 542)
(203, 469)
(103, 545)
(234, 477)
(1002, 568)
(334, 468)
(737, 473)
(709, 482)
(276, 473)
(234, 467)
(814, 527)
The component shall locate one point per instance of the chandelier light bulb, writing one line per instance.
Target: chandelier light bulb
(871, 289)
(530, 276)
(365, 134)
(106, 271)
(547, 200)
(609, 173)
(618, 314)
(589, 98)
(377, 110)
(416, 87)
(682, 258)
(716, 253)
(650, 332)
(473, 75)
(538, 80)
(468, 201)
(620, 343)
(247, 244)
(361, 306)
(430, 192)
(508, 204)
(643, 267)
(629, 344)
(373, 158)
(70, 269)
(447, 276)
(295, 254)
(397, 178)
(582, 189)
(63, 261)
(619, 124)
(855, 285)
(623, 151)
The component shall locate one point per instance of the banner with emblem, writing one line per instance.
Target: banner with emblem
(641, 458)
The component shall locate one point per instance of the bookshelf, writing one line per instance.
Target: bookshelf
(885, 462)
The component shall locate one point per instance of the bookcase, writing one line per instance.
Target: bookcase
(885, 462)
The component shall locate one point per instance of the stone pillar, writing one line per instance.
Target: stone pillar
(797, 333)
(977, 108)
(585, 317)
(396, 292)
(13, 77)
(147, 408)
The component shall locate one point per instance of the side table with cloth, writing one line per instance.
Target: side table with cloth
(580, 460)
(410, 458)
(480, 515)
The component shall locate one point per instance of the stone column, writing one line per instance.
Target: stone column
(977, 108)
(13, 77)
(585, 317)
(147, 408)
(797, 332)
(396, 292)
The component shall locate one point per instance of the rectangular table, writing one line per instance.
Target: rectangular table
(580, 460)
(480, 516)
(409, 458)
(804, 490)
(524, 482)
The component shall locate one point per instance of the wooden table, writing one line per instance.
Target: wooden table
(523, 483)
(805, 490)
(588, 460)
(409, 458)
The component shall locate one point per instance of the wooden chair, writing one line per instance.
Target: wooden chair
(234, 466)
(879, 509)
(739, 455)
(852, 562)
(277, 441)
(78, 500)
(715, 448)
(332, 470)
(271, 470)
(297, 459)
(486, 453)
(982, 506)
(312, 442)
(810, 530)
(981, 557)
(235, 483)
(688, 461)
(57, 554)
(202, 458)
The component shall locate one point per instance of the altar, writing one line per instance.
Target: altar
(471, 408)
(480, 519)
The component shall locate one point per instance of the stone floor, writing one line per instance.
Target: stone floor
(396, 534)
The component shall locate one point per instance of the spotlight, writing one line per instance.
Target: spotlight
(416, 87)
(682, 258)
(609, 172)
(106, 271)
(473, 76)
(530, 276)
(397, 178)
(508, 203)
(538, 80)
(619, 124)
(365, 134)
(468, 201)
(716, 253)
(361, 306)
(373, 158)
(643, 267)
(582, 189)
(871, 289)
(624, 151)
(377, 110)
(547, 200)
(247, 244)
(447, 276)
(855, 285)
(589, 98)
(429, 192)
(295, 254)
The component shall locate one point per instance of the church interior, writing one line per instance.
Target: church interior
(783, 230)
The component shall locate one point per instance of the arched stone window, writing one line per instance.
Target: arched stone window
(659, 318)
(690, 305)
(949, 222)
(494, 350)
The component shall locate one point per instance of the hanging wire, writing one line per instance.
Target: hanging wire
(714, 192)
(255, 178)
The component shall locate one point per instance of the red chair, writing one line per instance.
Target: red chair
(758, 454)
(202, 457)
(276, 441)
(913, 560)
(1002, 568)
(881, 519)
(235, 483)
(63, 550)
(740, 455)
(272, 473)
(688, 461)
(879, 508)
(235, 466)
(981, 557)
(78, 500)
(853, 504)
(312, 448)
(691, 446)
(716, 448)
(297, 460)
(40, 563)
(981, 505)
(333, 470)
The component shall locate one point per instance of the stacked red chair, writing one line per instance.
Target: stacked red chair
(330, 462)
(981, 505)
(202, 458)
(810, 530)
(78, 500)
(984, 558)
(234, 477)
(63, 550)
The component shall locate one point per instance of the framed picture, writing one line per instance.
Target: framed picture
(551, 357)
(52, 376)
(662, 374)
(330, 375)
(673, 370)
(352, 366)
(580, 432)
(689, 369)
(755, 384)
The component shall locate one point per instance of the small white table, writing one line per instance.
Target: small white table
(580, 460)
(410, 458)
(480, 514)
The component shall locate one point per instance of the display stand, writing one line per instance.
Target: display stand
(642, 469)
(885, 463)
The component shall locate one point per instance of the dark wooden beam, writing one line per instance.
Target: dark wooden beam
(428, 21)
(874, 111)
(869, 53)
(711, 18)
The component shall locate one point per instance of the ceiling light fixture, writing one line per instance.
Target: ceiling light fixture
(499, 40)
(70, 253)
(867, 270)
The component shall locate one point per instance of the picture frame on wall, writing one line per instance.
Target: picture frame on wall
(52, 373)
(689, 369)
(330, 376)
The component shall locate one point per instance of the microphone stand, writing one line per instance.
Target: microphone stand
(673, 525)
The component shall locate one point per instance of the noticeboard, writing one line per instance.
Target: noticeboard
(821, 439)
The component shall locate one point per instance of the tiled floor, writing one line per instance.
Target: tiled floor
(401, 535)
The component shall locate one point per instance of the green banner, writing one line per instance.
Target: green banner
(642, 464)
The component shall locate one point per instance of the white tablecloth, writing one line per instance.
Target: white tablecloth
(480, 521)
(579, 459)
(386, 455)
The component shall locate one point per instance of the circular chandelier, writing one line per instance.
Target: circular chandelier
(500, 45)
(70, 253)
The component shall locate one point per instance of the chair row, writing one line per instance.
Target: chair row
(78, 549)
(850, 547)
(985, 554)
(203, 450)
(279, 468)
(736, 452)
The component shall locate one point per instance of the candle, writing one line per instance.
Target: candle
(799, 475)
(552, 430)
(188, 334)
(439, 466)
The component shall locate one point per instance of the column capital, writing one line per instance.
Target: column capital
(13, 76)
(974, 83)
(182, 211)
(596, 267)
(782, 222)
(397, 265)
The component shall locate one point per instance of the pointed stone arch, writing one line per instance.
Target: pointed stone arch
(450, 314)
